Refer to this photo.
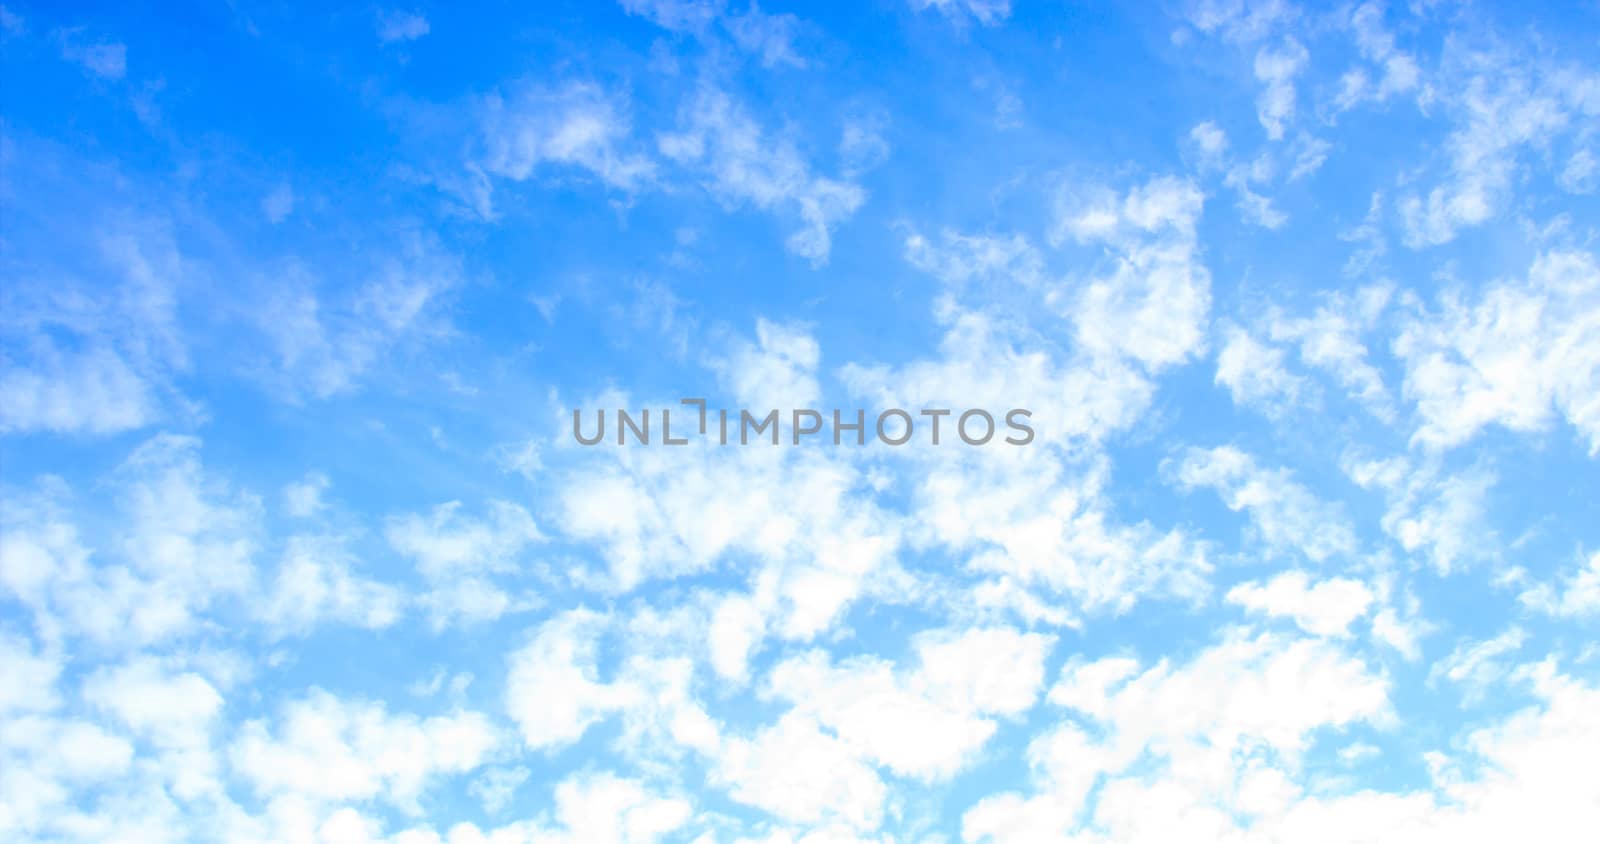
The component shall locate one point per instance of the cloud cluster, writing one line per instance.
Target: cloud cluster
(295, 545)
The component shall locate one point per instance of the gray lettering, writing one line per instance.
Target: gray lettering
(961, 427)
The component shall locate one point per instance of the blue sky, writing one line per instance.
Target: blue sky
(296, 544)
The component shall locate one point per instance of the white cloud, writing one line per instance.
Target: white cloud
(1442, 515)
(1046, 528)
(769, 36)
(1401, 634)
(95, 358)
(458, 554)
(315, 582)
(1255, 375)
(1477, 665)
(1151, 306)
(958, 258)
(1285, 515)
(577, 125)
(104, 59)
(177, 712)
(928, 722)
(1245, 175)
(985, 12)
(1326, 608)
(819, 544)
(1036, 519)
(1578, 176)
(303, 499)
(1330, 340)
(399, 27)
(1520, 783)
(1521, 354)
(1257, 209)
(187, 542)
(329, 749)
(1276, 68)
(148, 699)
(590, 808)
(183, 554)
(738, 625)
(606, 809)
(1246, 689)
(80, 753)
(553, 691)
(278, 204)
(1577, 594)
(1172, 743)
(677, 15)
(1397, 70)
(27, 677)
(754, 600)
(1007, 321)
(778, 371)
(325, 345)
(446, 542)
(94, 391)
(798, 772)
(497, 787)
(1502, 104)
(802, 522)
(1210, 142)
(1309, 156)
(742, 163)
(1239, 20)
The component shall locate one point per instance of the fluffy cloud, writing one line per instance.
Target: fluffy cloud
(607, 808)
(327, 748)
(1520, 355)
(742, 163)
(1330, 339)
(316, 581)
(457, 555)
(1477, 665)
(1276, 67)
(1326, 608)
(926, 723)
(445, 542)
(777, 371)
(324, 344)
(800, 773)
(186, 541)
(84, 358)
(94, 391)
(1440, 515)
(1388, 70)
(553, 692)
(1285, 515)
(1502, 104)
(1577, 593)
(1151, 305)
(399, 27)
(1228, 728)
(577, 125)
(1522, 782)
(1255, 374)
